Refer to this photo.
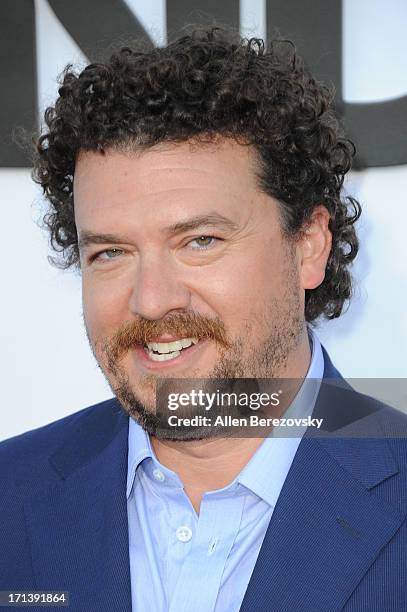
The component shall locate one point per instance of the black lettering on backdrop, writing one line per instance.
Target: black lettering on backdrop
(205, 12)
(18, 80)
(94, 24)
(379, 129)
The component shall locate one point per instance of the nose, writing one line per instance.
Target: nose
(158, 288)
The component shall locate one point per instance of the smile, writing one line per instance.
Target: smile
(165, 351)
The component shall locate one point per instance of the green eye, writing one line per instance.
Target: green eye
(112, 251)
(203, 242)
(107, 254)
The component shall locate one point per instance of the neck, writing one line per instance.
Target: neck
(207, 465)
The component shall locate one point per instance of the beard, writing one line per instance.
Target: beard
(240, 362)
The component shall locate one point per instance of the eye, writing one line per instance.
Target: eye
(107, 254)
(202, 242)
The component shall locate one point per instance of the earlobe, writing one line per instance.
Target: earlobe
(315, 246)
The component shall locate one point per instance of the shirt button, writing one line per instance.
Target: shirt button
(158, 475)
(184, 534)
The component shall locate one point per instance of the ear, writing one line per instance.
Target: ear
(314, 247)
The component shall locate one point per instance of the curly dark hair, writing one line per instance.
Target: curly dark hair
(206, 84)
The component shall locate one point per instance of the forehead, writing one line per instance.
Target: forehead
(165, 182)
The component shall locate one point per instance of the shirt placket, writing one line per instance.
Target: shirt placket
(209, 546)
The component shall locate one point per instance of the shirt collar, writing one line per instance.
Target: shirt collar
(139, 449)
(277, 452)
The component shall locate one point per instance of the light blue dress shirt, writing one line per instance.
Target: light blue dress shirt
(182, 562)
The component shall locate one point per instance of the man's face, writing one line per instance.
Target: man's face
(177, 242)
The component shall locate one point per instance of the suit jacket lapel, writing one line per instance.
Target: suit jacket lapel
(78, 526)
(327, 528)
(325, 532)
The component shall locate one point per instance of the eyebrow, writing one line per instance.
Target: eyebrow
(208, 220)
(88, 238)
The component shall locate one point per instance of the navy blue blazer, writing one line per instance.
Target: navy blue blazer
(337, 539)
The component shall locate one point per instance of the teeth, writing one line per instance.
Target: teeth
(170, 347)
(162, 357)
(187, 342)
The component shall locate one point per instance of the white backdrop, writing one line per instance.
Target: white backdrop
(47, 368)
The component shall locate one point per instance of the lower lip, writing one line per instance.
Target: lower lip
(183, 357)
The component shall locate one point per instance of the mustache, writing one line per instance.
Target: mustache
(185, 325)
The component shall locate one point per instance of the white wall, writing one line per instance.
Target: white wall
(47, 368)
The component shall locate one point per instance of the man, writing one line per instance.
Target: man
(198, 189)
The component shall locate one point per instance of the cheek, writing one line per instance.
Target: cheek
(244, 293)
(232, 290)
(104, 307)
